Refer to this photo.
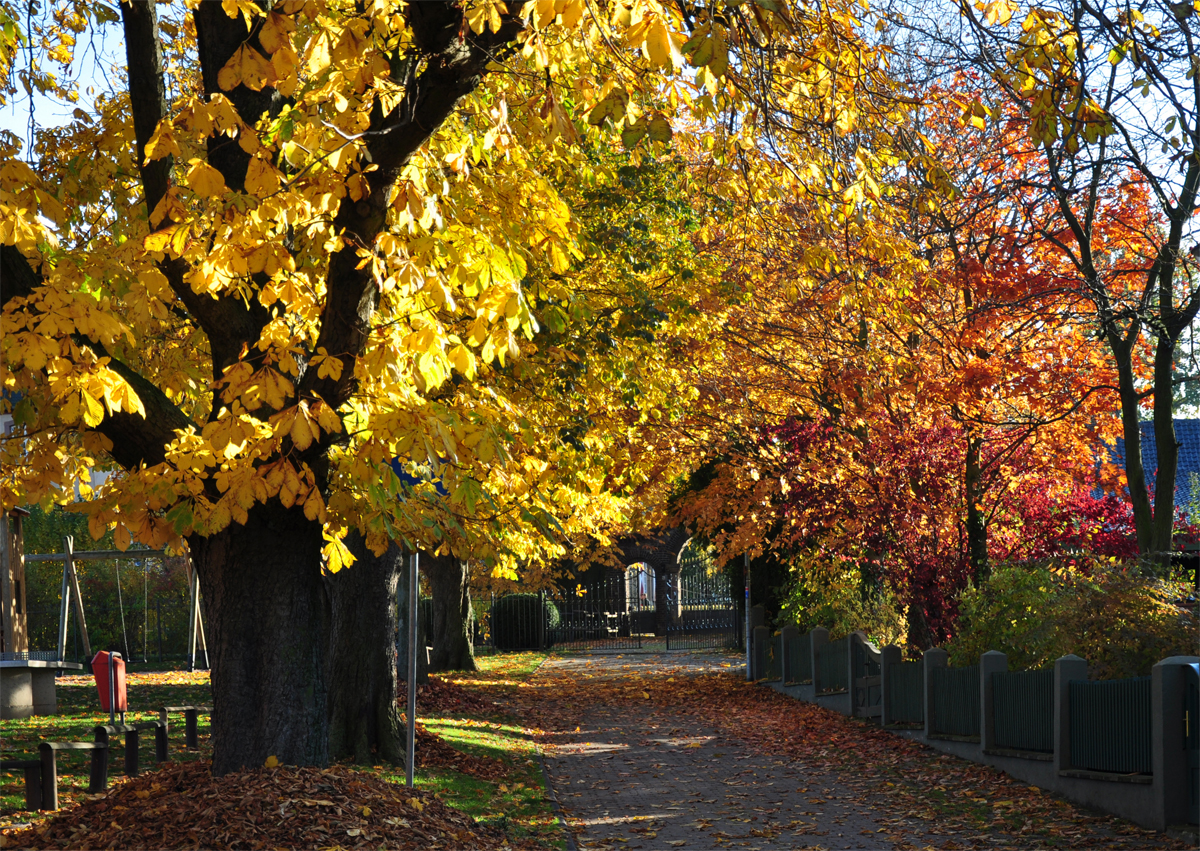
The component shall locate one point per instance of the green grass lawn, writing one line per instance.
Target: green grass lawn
(516, 802)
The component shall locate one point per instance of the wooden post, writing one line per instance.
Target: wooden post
(14, 634)
(76, 594)
(64, 614)
(193, 614)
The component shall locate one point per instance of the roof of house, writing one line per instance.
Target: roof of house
(1187, 471)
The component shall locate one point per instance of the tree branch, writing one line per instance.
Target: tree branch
(454, 61)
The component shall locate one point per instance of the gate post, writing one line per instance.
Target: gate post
(991, 662)
(1169, 741)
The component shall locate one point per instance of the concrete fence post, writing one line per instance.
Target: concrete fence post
(1169, 759)
(787, 636)
(762, 641)
(1066, 669)
(935, 657)
(888, 657)
(819, 638)
(991, 662)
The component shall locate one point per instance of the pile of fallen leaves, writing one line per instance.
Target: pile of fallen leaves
(441, 696)
(184, 806)
(433, 751)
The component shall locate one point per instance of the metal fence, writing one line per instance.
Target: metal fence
(158, 632)
(799, 659)
(1110, 725)
(625, 611)
(906, 693)
(1023, 708)
(955, 701)
(833, 667)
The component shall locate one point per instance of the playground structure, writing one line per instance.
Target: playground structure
(27, 677)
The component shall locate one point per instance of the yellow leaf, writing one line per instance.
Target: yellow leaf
(659, 129)
(205, 180)
(611, 108)
(658, 45)
(336, 554)
(274, 32)
(247, 67)
(303, 432)
(261, 178)
(272, 761)
(93, 411)
(162, 143)
(122, 538)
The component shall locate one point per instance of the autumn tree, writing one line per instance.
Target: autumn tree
(1107, 97)
(293, 245)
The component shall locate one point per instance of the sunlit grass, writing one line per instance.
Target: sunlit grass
(78, 716)
(515, 803)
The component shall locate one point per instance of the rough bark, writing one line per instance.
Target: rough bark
(268, 616)
(364, 718)
(450, 627)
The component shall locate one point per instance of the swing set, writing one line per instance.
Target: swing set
(72, 599)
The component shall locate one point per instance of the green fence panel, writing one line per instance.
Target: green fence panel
(799, 659)
(955, 701)
(906, 693)
(833, 666)
(1023, 708)
(1110, 725)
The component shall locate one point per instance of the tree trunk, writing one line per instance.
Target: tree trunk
(977, 548)
(1166, 453)
(268, 616)
(1135, 473)
(450, 628)
(364, 718)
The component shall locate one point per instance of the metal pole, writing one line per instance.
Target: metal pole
(746, 562)
(145, 612)
(413, 590)
(112, 690)
(541, 623)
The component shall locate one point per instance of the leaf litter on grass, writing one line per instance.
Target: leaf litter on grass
(183, 806)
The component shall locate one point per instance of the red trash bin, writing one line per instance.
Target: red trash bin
(100, 668)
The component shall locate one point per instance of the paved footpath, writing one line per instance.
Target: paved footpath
(630, 777)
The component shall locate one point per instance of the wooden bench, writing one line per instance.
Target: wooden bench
(49, 769)
(191, 738)
(33, 779)
(105, 732)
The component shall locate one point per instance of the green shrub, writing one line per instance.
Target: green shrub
(515, 621)
(1109, 613)
(842, 596)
